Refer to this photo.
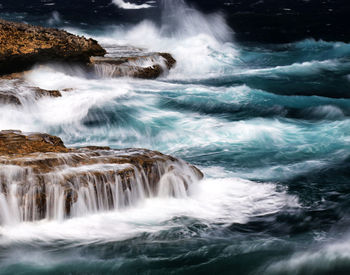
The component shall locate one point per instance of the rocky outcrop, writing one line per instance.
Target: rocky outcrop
(41, 178)
(146, 66)
(22, 46)
(16, 91)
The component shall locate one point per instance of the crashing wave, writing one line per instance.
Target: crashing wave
(129, 6)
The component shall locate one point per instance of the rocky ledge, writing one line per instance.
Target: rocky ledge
(41, 178)
(23, 45)
(146, 66)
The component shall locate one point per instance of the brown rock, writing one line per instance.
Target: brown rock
(45, 171)
(147, 66)
(13, 76)
(22, 46)
(42, 92)
(15, 142)
(169, 60)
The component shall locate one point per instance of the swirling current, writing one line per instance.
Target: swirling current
(268, 124)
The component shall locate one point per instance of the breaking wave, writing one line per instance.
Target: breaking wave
(129, 6)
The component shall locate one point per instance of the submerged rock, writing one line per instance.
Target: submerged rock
(15, 91)
(23, 45)
(146, 66)
(41, 178)
(9, 98)
(42, 92)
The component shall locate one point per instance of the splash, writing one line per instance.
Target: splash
(181, 20)
(221, 200)
(323, 259)
(129, 6)
(201, 43)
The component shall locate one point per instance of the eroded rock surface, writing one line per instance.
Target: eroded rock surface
(146, 66)
(41, 178)
(23, 45)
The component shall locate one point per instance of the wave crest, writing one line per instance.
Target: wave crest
(129, 6)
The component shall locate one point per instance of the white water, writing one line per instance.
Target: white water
(73, 189)
(202, 44)
(129, 6)
(203, 47)
(318, 260)
(130, 68)
(221, 200)
(68, 109)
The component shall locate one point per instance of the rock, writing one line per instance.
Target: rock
(14, 76)
(146, 66)
(17, 91)
(169, 60)
(67, 90)
(9, 98)
(42, 92)
(41, 178)
(16, 142)
(22, 46)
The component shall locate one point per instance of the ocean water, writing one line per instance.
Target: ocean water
(268, 124)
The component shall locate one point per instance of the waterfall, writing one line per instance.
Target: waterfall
(61, 186)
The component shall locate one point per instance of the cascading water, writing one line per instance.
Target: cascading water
(267, 124)
(56, 187)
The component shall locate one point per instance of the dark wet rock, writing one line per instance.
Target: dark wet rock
(16, 91)
(9, 98)
(43, 167)
(146, 66)
(67, 90)
(169, 60)
(42, 93)
(23, 45)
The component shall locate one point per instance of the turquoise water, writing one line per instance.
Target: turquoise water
(267, 124)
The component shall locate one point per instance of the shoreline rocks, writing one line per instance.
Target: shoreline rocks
(41, 178)
(23, 45)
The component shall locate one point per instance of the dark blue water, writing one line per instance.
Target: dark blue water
(268, 124)
(268, 21)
